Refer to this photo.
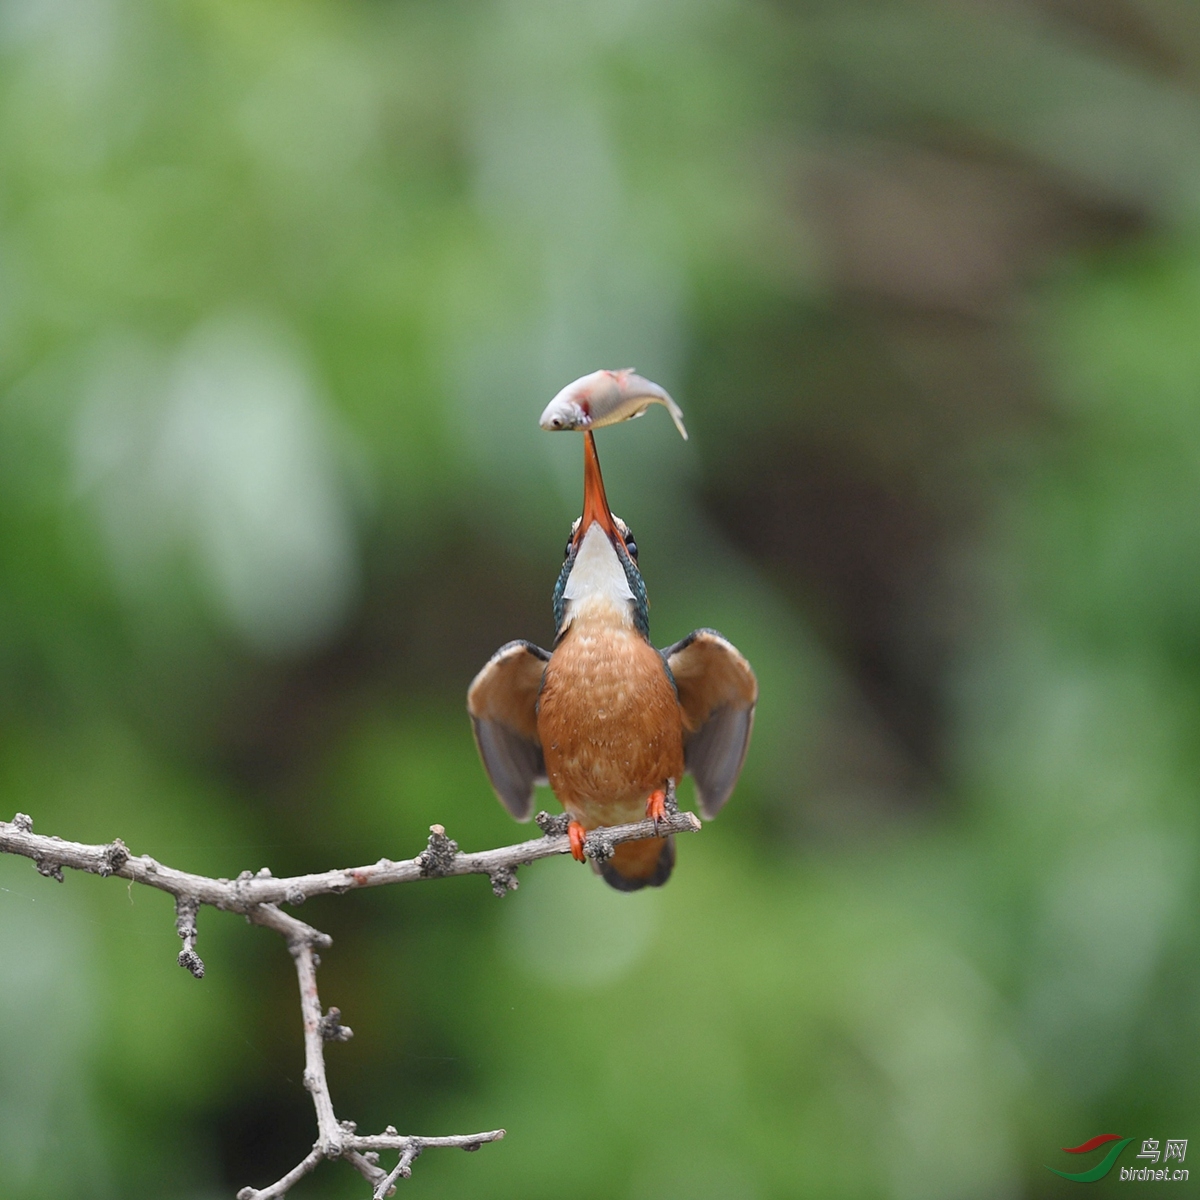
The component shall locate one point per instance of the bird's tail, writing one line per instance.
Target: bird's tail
(635, 865)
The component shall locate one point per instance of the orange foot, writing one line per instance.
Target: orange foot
(577, 833)
(656, 806)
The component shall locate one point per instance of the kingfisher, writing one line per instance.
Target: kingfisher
(609, 721)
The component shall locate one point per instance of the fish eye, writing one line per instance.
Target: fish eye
(557, 422)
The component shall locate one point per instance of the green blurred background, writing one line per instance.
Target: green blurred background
(283, 290)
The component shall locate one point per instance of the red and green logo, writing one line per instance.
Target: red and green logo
(1105, 1165)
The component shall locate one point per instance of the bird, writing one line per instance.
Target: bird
(609, 721)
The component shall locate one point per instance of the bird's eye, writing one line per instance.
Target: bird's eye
(567, 549)
(631, 546)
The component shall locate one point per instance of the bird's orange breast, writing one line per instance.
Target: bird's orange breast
(609, 723)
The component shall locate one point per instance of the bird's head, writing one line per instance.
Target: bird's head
(600, 573)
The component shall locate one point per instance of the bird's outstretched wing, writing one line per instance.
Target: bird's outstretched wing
(502, 701)
(717, 692)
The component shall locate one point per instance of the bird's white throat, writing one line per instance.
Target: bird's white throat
(598, 576)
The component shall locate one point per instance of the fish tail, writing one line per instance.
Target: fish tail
(676, 416)
(635, 865)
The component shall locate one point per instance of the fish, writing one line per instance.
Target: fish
(606, 397)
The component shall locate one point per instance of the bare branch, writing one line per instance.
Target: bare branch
(329, 1132)
(439, 859)
(367, 1165)
(186, 908)
(258, 898)
(403, 1169)
(306, 1166)
(293, 930)
(391, 1140)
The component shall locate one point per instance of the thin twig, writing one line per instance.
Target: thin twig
(391, 1140)
(186, 908)
(329, 1132)
(306, 1166)
(258, 898)
(403, 1169)
(367, 1165)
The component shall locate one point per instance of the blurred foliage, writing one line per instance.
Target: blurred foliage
(283, 289)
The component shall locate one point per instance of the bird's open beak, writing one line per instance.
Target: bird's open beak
(595, 502)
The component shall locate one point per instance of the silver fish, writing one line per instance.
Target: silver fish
(606, 397)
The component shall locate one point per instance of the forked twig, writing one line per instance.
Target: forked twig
(258, 897)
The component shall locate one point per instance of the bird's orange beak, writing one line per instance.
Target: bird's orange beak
(595, 502)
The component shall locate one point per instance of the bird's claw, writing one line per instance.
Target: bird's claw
(656, 807)
(577, 834)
